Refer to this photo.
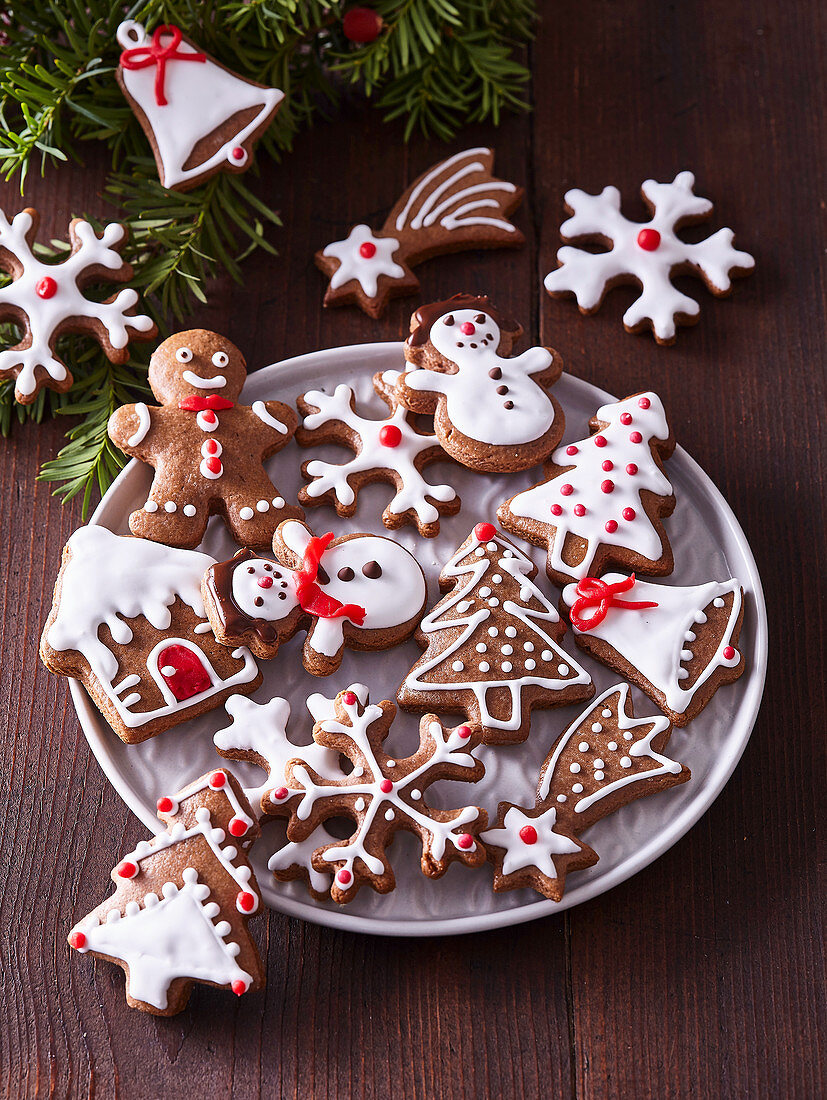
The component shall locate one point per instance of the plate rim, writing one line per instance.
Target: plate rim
(706, 794)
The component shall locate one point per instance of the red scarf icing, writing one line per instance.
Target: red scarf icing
(196, 403)
(158, 54)
(309, 594)
(593, 592)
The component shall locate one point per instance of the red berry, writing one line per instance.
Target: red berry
(390, 435)
(566, 489)
(217, 780)
(580, 509)
(367, 249)
(344, 876)
(237, 153)
(127, 869)
(631, 469)
(279, 794)
(629, 514)
(467, 328)
(465, 840)
(485, 531)
(238, 827)
(46, 287)
(362, 25)
(245, 902)
(600, 441)
(528, 834)
(571, 449)
(464, 732)
(165, 805)
(213, 465)
(386, 786)
(608, 465)
(625, 418)
(77, 940)
(349, 699)
(644, 402)
(611, 526)
(729, 653)
(648, 239)
(239, 987)
(556, 510)
(607, 486)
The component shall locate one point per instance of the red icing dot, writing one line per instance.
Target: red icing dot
(127, 869)
(349, 698)
(46, 287)
(238, 827)
(629, 514)
(217, 780)
(625, 418)
(556, 510)
(213, 465)
(390, 435)
(566, 489)
(464, 732)
(238, 153)
(571, 449)
(608, 465)
(386, 786)
(600, 441)
(165, 805)
(644, 402)
(367, 249)
(607, 486)
(77, 940)
(467, 328)
(211, 446)
(729, 653)
(580, 509)
(485, 531)
(245, 901)
(209, 416)
(528, 834)
(631, 469)
(465, 840)
(635, 437)
(239, 987)
(344, 876)
(265, 582)
(611, 526)
(648, 239)
(279, 794)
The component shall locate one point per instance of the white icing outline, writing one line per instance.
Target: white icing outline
(260, 409)
(144, 424)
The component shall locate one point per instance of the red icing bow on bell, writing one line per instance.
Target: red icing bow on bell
(140, 57)
(593, 592)
(310, 596)
(196, 403)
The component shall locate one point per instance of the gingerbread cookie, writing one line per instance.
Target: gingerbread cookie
(676, 643)
(381, 795)
(647, 254)
(492, 643)
(47, 300)
(604, 496)
(359, 591)
(200, 117)
(128, 621)
(208, 451)
(455, 205)
(182, 901)
(491, 412)
(606, 759)
(386, 450)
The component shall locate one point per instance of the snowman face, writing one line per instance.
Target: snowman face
(263, 589)
(376, 574)
(196, 363)
(466, 330)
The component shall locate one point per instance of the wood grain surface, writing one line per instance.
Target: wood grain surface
(703, 976)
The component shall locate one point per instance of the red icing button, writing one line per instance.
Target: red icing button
(238, 827)
(729, 653)
(464, 732)
(349, 698)
(611, 526)
(580, 509)
(600, 441)
(238, 153)
(265, 582)
(644, 402)
(46, 287)
(607, 486)
(556, 510)
(186, 676)
(390, 436)
(625, 418)
(213, 465)
(635, 437)
(648, 239)
(566, 489)
(239, 987)
(629, 514)
(631, 469)
(571, 449)
(608, 465)
(212, 446)
(344, 876)
(467, 328)
(528, 834)
(465, 840)
(209, 416)
(485, 531)
(77, 940)
(165, 805)
(386, 786)
(127, 869)
(245, 901)
(217, 780)
(279, 794)
(367, 249)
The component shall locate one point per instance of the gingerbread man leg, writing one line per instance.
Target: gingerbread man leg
(176, 516)
(253, 519)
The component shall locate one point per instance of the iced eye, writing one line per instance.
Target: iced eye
(220, 359)
(183, 355)
(449, 320)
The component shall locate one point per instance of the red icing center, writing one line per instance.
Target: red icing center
(386, 786)
(465, 840)
(349, 698)
(367, 249)
(238, 153)
(212, 446)
(390, 436)
(648, 239)
(571, 449)
(209, 416)
(729, 653)
(165, 805)
(239, 987)
(188, 676)
(464, 732)
(467, 328)
(238, 827)
(528, 834)
(46, 287)
(485, 531)
(127, 869)
(265, 582)
(217, 780)
(213, 465)
(279, 794)
(344, 876)
(246, 901)
(77, 940)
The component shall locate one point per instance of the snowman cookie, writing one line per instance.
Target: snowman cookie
(360, 591)
(208, 451)
(491, 412)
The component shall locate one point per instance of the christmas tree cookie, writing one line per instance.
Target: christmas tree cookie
(492, 643)
(676, 643)
(604, 496)
(182, 901)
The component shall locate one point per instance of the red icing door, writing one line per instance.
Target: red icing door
(183, 672)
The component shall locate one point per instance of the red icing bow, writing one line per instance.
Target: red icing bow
(158, 54)
(309, 594)
(195, 403)
(593, 592)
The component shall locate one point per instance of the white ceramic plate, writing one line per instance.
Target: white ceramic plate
(708, 543)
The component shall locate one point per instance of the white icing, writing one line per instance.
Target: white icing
(373, 454)
(205, 424)
(651, 638)
(469, 569)
(215, 383)
(586, 478)
(260, 409)
(110, 578)
(430, 210)
(142, 412)
(473, 404)
(278, 600)
(587, 275)
(364, 269)
(212, 475)
(200, 96)
(45, 315)
(519, 854)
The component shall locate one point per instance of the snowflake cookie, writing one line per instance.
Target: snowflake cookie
(606, 759)
(390, 450)
(646, 253)
(47, 300)
(381, 795)
(182, 901)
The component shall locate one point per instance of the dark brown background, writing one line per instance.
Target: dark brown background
(703, 975)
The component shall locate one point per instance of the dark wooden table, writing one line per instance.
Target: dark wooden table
(702, 976)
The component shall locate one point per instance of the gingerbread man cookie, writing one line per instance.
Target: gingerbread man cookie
(491, 412)
(207, 450)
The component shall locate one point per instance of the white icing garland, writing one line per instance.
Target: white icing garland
(460, 166)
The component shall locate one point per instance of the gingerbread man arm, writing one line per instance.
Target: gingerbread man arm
(131, 429)
(274, 423)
